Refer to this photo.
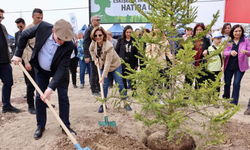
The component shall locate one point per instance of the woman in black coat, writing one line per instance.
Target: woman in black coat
(127, 51)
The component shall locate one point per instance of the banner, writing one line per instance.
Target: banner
(237, 11)
(73, 22)
(118, 11)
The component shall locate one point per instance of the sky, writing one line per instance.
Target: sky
(23, 8)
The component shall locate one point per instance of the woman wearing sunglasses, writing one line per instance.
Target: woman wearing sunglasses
(104, 55)
(236, 62)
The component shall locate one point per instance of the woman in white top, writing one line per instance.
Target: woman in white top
(226, 31)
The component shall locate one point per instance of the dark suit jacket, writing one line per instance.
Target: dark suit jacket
(60, 63)
(86, 42)
(17, 35)
(6, 37)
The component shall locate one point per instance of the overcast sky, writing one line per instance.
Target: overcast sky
(23, 8)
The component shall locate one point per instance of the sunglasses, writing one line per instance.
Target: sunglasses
(59, 39)
(98, 20)
(100, 35)
(20, 27)
(1, 17)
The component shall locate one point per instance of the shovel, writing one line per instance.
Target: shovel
(77, 145)
(106, 122)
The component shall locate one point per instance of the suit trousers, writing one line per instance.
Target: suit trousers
(42, 79)
(7, 80)
(72, 67)
(95, 86)
(30, 89)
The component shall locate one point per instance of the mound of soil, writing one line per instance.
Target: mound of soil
(159, 141)
(102, 141)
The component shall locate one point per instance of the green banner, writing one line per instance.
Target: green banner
(118, 11)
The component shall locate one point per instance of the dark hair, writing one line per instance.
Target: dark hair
(124, 33)
(146, 30)
(98, 28)
(20, 20)
(224, 27)
(198, 25)
(137, 29)
(1, 10)
(232, 31)
(37, 10)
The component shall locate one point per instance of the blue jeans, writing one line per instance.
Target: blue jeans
(83, 67)
(118, 80)
(7, 79)
(228, 75)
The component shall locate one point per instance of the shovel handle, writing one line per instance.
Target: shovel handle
(101, 87)
(49, 105)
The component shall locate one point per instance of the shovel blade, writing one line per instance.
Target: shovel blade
(107, 123)
(104, 124)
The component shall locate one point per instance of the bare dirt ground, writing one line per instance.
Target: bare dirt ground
(17, 130)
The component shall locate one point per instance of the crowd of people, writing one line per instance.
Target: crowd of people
(51, 51)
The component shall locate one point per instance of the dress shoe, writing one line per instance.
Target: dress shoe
(32, 110)
(70, 130)
(127, 107)
(39, 132)
(74, 86)
(96, 94)
(100, 110)
(247, 112)
(10, 109)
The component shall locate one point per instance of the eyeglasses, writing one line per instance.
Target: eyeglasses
(98, 20)
(100, 35)
(1, 17)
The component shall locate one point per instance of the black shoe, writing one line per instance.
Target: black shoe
(10, 109)
(127, 107)
(32, 110)
(39, 132)
(74, 86)
(70, 130)
(51, 105)
(25, 96)
(100, 110)
(96, 94)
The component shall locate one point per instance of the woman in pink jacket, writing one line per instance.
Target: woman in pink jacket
(236, 53)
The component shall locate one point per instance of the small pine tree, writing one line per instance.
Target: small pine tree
(173, 107)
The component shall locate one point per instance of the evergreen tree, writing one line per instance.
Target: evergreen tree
(170, 101)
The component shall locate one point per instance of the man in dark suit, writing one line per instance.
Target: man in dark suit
(5, 69)
(94, 81)
(50, 58)
(20, 23)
